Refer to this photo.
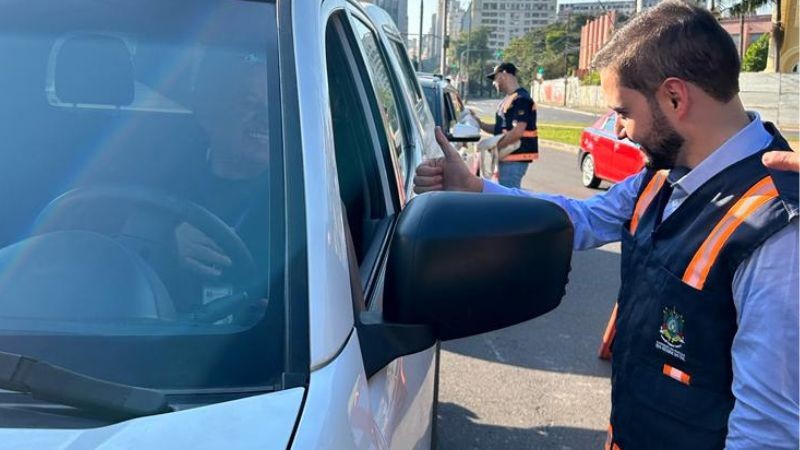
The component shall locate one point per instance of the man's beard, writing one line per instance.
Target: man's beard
(663, 144)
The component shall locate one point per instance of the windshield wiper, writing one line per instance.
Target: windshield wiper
(56, 384)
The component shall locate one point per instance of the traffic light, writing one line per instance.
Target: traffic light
(498, 54)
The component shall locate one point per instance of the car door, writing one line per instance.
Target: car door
(626, 158)
(372, 170)
(605, 145)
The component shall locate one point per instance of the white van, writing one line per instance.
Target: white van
(207, 239)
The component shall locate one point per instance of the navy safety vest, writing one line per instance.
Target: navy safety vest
(672, 374)
(519, 107)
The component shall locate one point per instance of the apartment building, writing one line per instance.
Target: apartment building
(508, 19)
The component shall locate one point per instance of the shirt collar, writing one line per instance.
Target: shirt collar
(749, 140)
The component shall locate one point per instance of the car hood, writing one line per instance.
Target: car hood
(262, 421)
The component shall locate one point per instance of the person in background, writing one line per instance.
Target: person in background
(515, 119)
(706, 350)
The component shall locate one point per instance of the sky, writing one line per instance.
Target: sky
(429, 7)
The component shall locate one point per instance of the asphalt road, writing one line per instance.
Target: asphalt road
(544, 114)
(537, 385)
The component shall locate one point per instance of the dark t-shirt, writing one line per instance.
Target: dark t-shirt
(518, 107)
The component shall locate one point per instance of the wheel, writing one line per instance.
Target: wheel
(588, 177)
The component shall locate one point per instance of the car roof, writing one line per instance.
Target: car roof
(380, 17)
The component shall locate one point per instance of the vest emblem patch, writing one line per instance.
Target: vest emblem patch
(672, 328)
(671, 332)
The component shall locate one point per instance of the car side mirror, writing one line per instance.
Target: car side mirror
(465, 263)
(463, 133)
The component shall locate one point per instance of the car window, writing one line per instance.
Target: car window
(433, 103)
(450, 115)
(385, 94)
(139, 190)
(608, 126)
(407, 71)
(360, 146)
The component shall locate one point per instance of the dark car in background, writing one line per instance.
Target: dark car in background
(447, 107)
(605, 157)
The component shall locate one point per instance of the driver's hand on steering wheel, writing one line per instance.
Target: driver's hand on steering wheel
(199, 253)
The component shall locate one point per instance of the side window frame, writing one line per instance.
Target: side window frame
(405, 122)
(374, 259)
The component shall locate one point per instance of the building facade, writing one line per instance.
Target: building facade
(508, 19)
(594, 34)
(454, 18)
(754, 27)
(625, 7)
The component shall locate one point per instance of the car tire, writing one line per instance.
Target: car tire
(588, 177)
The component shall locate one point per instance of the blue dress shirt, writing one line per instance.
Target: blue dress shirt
(765, 293)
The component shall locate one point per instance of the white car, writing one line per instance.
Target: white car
(209, 238)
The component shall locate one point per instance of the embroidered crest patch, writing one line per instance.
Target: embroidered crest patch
(671, 333)
(672, 328)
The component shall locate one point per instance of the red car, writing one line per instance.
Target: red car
(603, 156)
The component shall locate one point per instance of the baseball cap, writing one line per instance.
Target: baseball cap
(503, 67)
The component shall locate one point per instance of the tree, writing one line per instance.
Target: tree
(547, 47)
(471, 51)
(755, 59)
(742, 8)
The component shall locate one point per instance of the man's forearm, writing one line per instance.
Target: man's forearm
(487, 128)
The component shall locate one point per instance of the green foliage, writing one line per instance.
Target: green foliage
(591, 79)
(471, 52)
(755, 58)
(545, 47)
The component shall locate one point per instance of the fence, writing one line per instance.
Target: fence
(773, 95)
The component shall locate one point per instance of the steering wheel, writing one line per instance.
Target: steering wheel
(88, 208)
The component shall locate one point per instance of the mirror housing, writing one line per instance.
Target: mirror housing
(465, 263)
(463, 133)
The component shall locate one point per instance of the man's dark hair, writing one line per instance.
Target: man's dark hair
(673, 39)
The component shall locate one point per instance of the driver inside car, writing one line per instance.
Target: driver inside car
(230, 104)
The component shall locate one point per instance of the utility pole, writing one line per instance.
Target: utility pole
(443, 59)
(419, 41)
(566, 61)
(469, 40)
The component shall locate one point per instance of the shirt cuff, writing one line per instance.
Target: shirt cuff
(490, 187)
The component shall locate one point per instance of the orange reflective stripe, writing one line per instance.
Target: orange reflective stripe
(609, 437)
(530, 134)
(521, 157)
(647, 197)
(707, 254)
(676, 374)
(615, 447)
(508, 101)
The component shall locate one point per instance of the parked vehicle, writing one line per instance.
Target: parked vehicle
(209, 238)
(603, 156)
(447, 107)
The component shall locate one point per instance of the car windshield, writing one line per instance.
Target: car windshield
(139, 173)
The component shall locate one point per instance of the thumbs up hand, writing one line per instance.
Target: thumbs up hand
(448, 173)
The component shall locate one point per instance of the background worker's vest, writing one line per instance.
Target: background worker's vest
(671, 380)
(529, 142)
